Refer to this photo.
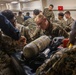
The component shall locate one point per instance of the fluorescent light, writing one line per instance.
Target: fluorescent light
(24, 0)
(14, 2)
(2, 4)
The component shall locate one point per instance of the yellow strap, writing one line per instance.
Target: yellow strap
(70, 45)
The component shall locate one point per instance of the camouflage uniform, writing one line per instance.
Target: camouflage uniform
(62, 22)
(20, 19)
(49, 14)
(61, 63)
(55, 30)
(69, 24)
(5, 66)
(66, 64)
(28, 21)
(34, 30)
(24, 32)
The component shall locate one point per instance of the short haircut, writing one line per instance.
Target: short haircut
(36, 11)
(51, 5)
(67, 12)
(8, 14)
(19, 12)
(27, 13)
(41, 16)
(61, 14)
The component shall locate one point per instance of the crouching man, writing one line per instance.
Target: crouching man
(62, 62)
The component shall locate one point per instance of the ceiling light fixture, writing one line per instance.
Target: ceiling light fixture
(24, 0)
(2, 4)
(14, 2)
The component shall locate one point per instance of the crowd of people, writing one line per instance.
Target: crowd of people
(44, 22)
(24, 29)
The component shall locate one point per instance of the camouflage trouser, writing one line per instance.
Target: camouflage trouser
(6, 71)
(5, 64)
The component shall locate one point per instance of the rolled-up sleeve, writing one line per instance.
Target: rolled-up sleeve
(8, 28)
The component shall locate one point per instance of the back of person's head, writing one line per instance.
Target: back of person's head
(15, 14)
(20, 13)
(68, 12)
(61, 14)
(40, 16)
(28, 14)
(36, 11)
(51, 5)
(8, 14)
(39, 19)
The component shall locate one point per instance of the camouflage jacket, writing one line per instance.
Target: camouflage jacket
(69, 24)
(5, 64)
(49, 14)
(20, 19)
(69, 21)
(61, 63)
(34, 30)
(62, 23)
(24, 32)
(55, 30)
(6, 48)
(28, 21)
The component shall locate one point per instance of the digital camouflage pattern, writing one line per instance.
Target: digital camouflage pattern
(66, 65)
(28, 21)
(5, 66)
(24, 32)
(6, 48)
(69, 24)
(69, 21)
(49, 15)
(62, 23)
(55, 30)
(61, 63)
(42, 70)
(34, 30)
(20, 19)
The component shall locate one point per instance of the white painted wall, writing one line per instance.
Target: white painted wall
(3, 7)
(67, 4)
(25, 7)
(15, 6)
(30, 6)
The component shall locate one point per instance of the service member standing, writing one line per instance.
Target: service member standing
(48, 13)
(20, 18)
